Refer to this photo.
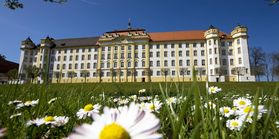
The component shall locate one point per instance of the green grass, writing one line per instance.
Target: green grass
(177, 121)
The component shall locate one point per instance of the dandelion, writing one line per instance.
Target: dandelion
(241, 102)
(226, 111)
(129, 122)
(214, 90)
(88, 110)
(234, 124)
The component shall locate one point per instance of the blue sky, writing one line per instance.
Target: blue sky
(83, 18)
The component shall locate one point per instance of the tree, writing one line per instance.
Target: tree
(257, 58)
(239, 71)
(84, 73)
(2, 58)
(183, 71)
(12, 75)
(165, 72)
(33, 72)
(71, 74)
(274, 65)
(15, 4)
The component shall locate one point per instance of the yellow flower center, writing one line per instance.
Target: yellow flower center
(212, 89)
(226, 110)
(152, 107)
(114, 131)
(88, 107)
(49, 119)
(242, 102)
(234, 109)
(248, 109)
(28, 102)
(235, 123)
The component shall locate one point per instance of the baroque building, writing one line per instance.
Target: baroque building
(134, 55)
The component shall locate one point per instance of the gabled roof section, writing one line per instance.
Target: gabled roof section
(89, 41)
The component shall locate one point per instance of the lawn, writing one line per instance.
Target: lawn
(185, 110)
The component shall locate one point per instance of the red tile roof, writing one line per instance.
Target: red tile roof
(180, 35)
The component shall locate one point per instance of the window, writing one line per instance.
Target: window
(224, 62)
(136, 47)
(129, 47)
(102, 65)
(165, 46)
(172, 54)
(238, 41)
(187, 53)
(76, 66)
(157, 54)
(216, 60)
(222, 43)
(173, 73)
(194, 45)
(143, 73)
(64, 66)
(223, 52)
(231, 52)
(70, 66)
(103, 48)
(203, 62)
(82, 66)
(122, 55)
(180, 53)
(58, 58)
(180, 63)
(88, 57)
(82, 57)
(88, 65)
(229, 43)
(211, 72)
(195, 62)
(71, 58)
(129, 55)
(115, 56)
(57, 66)
(115, 48)
(158, 73)
(94, 65)
(238, 50)
(143, 64)
(172, 63)
(195, 53)
(108, 65)
(210, 51)
(129, 64)
(143, 54)
(165, 63)
(143, 47)
(215, 50)
(231, 62)
(115, 64)
(151, 54)
(172, 45)
(158, 63)
(158, 46)
(179, 45)
(202, 44)
(151, 63)
(89, 50)
(108, 48)
(122, 64)
(136, 55)
(165, 54)
(108, 56)
(187, 45)
(202, 52)
(240, 60)
(83, 50)
(188, 62)
(95, 56)
(209, 42)
(210, 61)
(122, 48)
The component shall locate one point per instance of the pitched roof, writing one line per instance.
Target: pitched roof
(7, 65)
(180, 35)
(90, 41)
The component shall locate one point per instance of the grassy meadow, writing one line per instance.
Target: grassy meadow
(185, 110)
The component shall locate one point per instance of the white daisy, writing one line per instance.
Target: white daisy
(153, 106)
(2, 132)
(27, 104)
(226, 111)
(214, 90)
(241, 102)
(15, 102)
(234, 124)
(15, 115)
(52, 100)
(55, 121)
(171, 100)
(88, 110)
(127, 123)
(142, 91)
(210, 105)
